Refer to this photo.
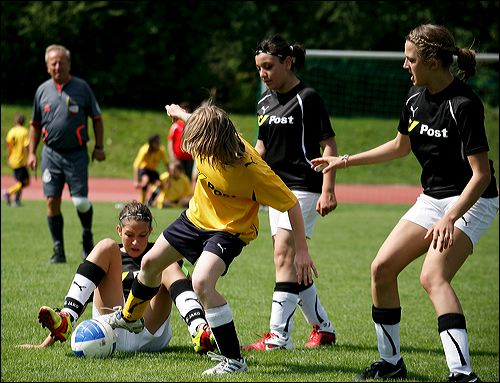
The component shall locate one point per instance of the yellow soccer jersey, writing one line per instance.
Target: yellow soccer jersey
(18, 140)
(179, 188)
(228, 199)
(145, 160)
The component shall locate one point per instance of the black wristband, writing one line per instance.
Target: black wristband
(98, 147)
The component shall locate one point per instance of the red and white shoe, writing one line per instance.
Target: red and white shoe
(269, 341)
(320, 338)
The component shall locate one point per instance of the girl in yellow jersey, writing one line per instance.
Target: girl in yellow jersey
(17, 141)
(146, 164)
(221, 219)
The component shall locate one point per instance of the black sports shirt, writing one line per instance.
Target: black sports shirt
(444, 128)
(291, 126)
(131, 267)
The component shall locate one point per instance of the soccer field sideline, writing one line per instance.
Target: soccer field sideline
(120, 190)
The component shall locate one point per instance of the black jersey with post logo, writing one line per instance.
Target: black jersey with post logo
(291, 126)
(444, 128)
(131, 267)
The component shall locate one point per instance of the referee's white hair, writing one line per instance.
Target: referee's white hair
(56, 47)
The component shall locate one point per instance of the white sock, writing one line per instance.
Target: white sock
(79, 292)
(188, 305)
(282, 311)
(388, 342)
(456, 349)
(312, 309)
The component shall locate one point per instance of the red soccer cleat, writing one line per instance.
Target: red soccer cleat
(58, 322)
(320, 338)
(269, 341)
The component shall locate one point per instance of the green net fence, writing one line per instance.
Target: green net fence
(362, 87)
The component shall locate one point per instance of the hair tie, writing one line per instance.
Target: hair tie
(456, 51)
(138, 216)
(291, 48)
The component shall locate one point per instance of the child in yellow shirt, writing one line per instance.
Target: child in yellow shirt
(176, 187)
(17, 140)
(146, 164)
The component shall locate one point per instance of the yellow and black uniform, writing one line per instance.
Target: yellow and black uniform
(177, 189)
(147, 160)
(130, 267)
(223, 214)
(222, 218)
(146, 163)
(17, 140)
(228, 199)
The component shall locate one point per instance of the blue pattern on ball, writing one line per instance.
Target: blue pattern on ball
(93, 338)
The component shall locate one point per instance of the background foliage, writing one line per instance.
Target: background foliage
(146, 53)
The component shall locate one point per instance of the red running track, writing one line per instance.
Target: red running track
(122, 190)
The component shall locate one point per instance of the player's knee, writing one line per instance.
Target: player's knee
(201, 287)
(151, 268)
(82, 204)
(429, 281)
(381, 272)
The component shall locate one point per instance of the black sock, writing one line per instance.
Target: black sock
(86, 218)
(56, 225)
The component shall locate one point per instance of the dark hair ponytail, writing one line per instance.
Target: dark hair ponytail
(277, 45)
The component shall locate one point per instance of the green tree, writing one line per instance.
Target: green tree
(143, 54)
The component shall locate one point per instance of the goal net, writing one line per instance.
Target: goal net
(366, 83)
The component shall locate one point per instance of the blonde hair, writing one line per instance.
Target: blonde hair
(210, 136)
(435, 41)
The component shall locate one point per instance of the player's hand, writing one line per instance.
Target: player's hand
(305, 268)
(27, 345)
(176, 112)
(98, 154)
(327, 203)
(49, 341)
(32, 161)
(441, 233)
(325, 164)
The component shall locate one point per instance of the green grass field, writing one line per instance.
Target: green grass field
(126, 130)
(345, 243)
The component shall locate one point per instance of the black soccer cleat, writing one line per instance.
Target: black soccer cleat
(384, 370)
(58, 256)
(458, 377)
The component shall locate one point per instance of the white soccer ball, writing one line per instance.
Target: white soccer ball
(93, 338)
